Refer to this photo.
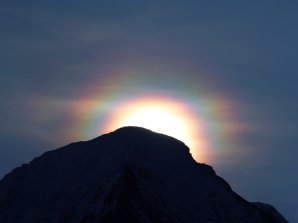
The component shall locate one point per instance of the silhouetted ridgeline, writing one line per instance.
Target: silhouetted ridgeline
(130, 175)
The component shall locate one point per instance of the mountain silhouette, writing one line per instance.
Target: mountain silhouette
(132, 175)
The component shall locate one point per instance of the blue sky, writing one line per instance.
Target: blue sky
(244, 50)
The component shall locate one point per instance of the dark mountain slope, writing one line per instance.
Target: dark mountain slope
(130, 175)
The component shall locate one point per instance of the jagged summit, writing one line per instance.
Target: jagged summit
(129, 175)
(139, 138)
(140, 145)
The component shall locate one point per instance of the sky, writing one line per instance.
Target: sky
(65, 66)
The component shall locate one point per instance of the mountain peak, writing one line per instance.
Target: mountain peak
(140, 146)
(130, 175)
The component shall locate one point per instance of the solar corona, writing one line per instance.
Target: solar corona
(184, 109)
(202, 123)
(160, 114)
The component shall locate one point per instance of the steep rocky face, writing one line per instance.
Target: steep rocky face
(130, 175)
(270, 210)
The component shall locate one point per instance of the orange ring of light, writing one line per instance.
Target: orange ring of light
(161, 114)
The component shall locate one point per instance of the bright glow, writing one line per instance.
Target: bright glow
(158, 119)
(125, 95)
(160, 114)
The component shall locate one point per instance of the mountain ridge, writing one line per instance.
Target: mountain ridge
(129, 175)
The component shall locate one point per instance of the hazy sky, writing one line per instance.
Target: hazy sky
(56, 56)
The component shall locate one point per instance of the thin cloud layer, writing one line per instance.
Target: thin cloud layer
(53, 52)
